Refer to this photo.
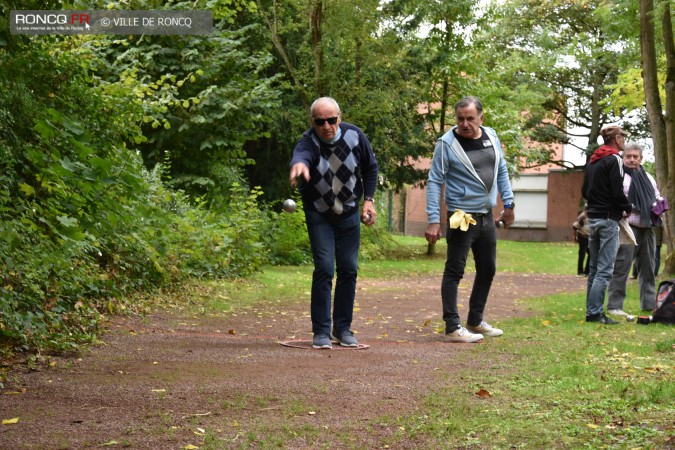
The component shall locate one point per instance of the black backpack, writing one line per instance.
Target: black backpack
(664, 308)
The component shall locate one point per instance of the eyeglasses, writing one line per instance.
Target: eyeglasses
(320, 122)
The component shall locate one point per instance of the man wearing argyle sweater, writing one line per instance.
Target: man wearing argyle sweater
(335, 165)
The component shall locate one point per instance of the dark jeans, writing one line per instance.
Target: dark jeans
(583, 255)
(657, 263)
(481, 239)
(643, 257)
(335, 242)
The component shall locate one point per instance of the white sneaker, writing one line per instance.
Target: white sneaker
(461, 334)
(622, 313)
(485, 329)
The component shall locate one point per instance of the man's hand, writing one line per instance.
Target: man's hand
(507, 217)
(298, 170)
(368, 213)
(433, 232)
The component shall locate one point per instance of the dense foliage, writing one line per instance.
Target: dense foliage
(83, 223)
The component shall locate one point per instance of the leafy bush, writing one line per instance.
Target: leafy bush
(287, 239)
(376, 241)
(82, 224)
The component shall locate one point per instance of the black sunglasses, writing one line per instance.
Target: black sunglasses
(320, 122)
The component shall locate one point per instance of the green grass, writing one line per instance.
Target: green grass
(555, 381)
(410, 258)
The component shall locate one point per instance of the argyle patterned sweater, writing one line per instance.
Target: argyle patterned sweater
(340, 173)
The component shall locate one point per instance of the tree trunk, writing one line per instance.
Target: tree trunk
(661, 125)
(315, 22)
(273, 25)
(669, 118)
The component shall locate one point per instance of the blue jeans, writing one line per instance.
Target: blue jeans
(482, 240)
(603, 244)
(335, 241)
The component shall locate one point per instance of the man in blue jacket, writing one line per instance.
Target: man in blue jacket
(469, 161)
(336, 166)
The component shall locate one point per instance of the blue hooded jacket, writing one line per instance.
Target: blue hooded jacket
(463, 187)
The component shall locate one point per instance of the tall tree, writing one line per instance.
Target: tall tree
(571, 53)
(340, 48)
(661, 121)
(444, 51)
(204, 97)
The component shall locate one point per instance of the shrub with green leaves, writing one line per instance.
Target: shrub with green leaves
(82, 223)
(287, 238)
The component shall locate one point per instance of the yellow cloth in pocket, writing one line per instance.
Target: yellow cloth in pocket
(461, 220)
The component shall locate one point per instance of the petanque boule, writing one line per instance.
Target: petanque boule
(289, 205)
(365, 218)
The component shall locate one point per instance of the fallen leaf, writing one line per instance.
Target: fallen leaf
(190, 447)
(159, 390)
(232, 332)
(546, 323)
(482, 393)
(591, 425)
(21, 391)
(10, 421)
(109, 443)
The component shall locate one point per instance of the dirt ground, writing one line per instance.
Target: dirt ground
(173, 381)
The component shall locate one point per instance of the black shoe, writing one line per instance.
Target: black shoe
(602, 318)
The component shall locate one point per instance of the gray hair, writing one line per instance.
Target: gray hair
(633, 146)
(330, 100)
(468, 101)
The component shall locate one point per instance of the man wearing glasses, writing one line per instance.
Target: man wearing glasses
(334, 165)
(607, 203)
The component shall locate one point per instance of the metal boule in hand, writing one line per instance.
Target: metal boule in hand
(289, 205)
